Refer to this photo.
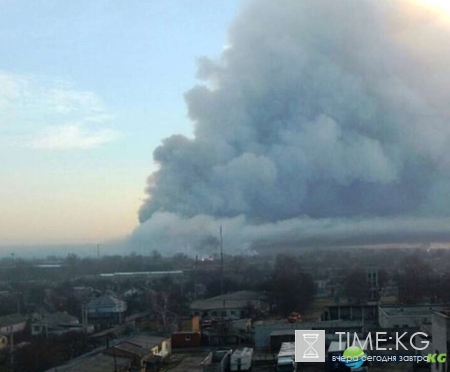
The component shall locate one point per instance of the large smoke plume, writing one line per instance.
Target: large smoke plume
(322, 122)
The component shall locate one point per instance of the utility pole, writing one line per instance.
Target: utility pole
(84, 315)
(98, 251)
(114, 355)
(46, 327)
(11, 341)
(195, 277)
(221, 264)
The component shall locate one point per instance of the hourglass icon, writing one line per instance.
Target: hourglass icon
(310, 352)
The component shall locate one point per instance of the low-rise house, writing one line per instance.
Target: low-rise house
(186, 339)
(82, 293)
(57, 323)
(235, 305)
(143, 349)
(106, 306)
(132, 292)
(13, 323)
(188, 334)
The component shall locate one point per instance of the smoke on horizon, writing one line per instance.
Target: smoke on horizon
(322, 123)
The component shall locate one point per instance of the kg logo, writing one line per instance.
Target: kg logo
(309, 346)
(354, 357)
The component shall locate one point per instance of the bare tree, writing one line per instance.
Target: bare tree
(164, 309)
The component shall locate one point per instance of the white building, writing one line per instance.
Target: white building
(440, 331)
(391, 317)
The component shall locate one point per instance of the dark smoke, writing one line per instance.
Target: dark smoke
(322, 121)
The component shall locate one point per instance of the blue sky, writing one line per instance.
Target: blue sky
(87, 90)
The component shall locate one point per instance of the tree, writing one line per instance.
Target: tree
(289, 287)
(417, 281)
(356, 286)
(164, 309)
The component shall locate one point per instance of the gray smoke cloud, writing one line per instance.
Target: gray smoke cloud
(322, 123)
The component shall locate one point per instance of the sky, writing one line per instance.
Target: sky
(149, 125)
(88, 89)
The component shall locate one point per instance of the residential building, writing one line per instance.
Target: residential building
(235, 305)
(143, 349)
(12, 324)
(186, 339)
(57, 323)
(106, 306)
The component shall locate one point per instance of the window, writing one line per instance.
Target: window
(224, 313)
(232, 312)
(214, 313)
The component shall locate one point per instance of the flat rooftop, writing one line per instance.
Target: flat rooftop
(412, 310)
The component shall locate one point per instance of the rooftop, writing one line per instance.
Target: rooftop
(416, 310)
(327, 324)
(155, 273)
(12, 319)
(235, 300)
(287, 349)
(96, 363)
(58, 318)
(133, 349)
(146, 341)
(241, 353)
(105, 300)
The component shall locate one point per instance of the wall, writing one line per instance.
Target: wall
(186, 339)
(440, 336)
(19, 327)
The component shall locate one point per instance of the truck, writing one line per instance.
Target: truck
(286, 358)
(241, 359)
(217, 361)
(294, 317)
